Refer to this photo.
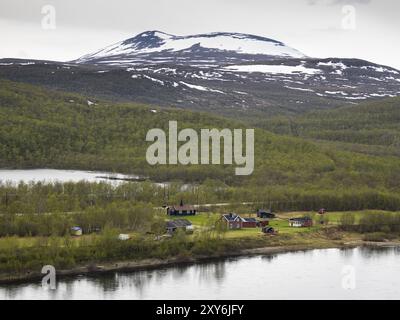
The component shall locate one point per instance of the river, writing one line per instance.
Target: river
(360, 273)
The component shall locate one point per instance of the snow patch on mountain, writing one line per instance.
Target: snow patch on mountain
(158, 42)
(300, 89)
(200, 88)
(332, 64)
(274, 69)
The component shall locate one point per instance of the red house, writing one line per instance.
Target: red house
(249, 223)
(233, 221)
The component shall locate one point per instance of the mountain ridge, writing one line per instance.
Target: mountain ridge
(197, 74)
(149, 45)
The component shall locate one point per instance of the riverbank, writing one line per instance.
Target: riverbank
(150, 264)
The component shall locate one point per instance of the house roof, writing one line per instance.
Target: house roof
(231, 217)
(264, 211)
(300, 219)
(249, 219)
(182, 208)
(179, 223)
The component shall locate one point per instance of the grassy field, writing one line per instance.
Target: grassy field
(334, 217)
(280, 223)
(202, 220)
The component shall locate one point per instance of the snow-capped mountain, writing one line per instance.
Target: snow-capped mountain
(203, 49)
(232, 74)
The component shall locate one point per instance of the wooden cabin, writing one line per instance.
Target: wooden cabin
(182, 210)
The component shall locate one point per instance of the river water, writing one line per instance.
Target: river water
(361, 273)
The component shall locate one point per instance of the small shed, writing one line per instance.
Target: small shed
(76, 231)
(322, 211)
(262, 223)
(233, 221)
(124, 237)
(268, 230)
(300, 222)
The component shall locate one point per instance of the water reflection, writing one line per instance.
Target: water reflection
(315, 274)
(346, 253)
(378, 252)
(269, 257)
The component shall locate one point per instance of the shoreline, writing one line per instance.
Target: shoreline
(151, 264)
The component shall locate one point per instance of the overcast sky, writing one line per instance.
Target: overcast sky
(318, 28)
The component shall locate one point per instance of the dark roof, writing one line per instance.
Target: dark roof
(171, 224)
(179, 223)
(182, 208)
(249, 219)
(300, 219)
(264, 211)
(268, 228)
(231, 216)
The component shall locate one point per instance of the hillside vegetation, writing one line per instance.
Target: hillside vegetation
(371, 127)
(40, 128)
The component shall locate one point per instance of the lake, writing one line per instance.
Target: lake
(360, 273)
(55, 175)
(15, 176)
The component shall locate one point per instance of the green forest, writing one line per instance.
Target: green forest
(369, 127)
(41, 128)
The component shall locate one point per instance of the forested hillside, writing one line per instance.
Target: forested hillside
(39, 128)
(371, 127)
